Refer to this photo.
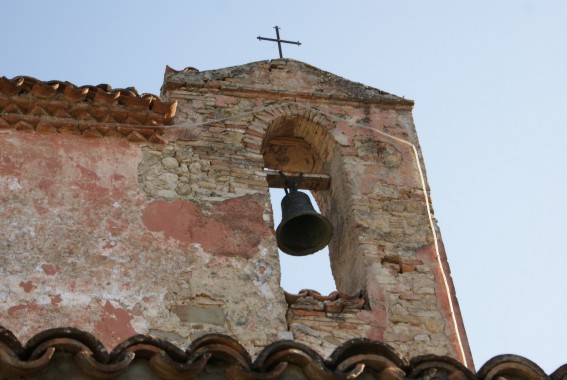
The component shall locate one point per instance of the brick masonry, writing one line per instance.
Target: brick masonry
(175, 237)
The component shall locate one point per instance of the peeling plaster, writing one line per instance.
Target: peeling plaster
(228, 229)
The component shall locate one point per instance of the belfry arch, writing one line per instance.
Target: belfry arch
(300, 140)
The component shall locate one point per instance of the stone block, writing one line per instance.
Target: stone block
(434, 325)
(200, 314)
(300, 329)
(422, 337)
(170, 162)
(285, 335)
(405, 319)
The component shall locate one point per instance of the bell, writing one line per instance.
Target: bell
(303, 230)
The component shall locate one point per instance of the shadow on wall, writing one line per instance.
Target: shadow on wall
(302, 272)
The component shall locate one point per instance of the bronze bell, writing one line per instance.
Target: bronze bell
(303, 230)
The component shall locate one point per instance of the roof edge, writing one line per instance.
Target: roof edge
(167, 360)
(193, 78)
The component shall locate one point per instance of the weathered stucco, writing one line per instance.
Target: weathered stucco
(175, 237)
(83, 245)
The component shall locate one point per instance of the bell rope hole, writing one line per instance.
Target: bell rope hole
(302, 272)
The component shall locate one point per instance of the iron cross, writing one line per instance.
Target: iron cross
(278, 40)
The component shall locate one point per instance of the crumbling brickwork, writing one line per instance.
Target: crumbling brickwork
(173, 234)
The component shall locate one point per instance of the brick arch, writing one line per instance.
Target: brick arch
(297, 127)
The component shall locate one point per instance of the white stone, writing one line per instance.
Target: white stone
(285, 335)
(195, 168)
(168, 181)
(167, 194)
(170, 162)
(298, 327)
(422, 337)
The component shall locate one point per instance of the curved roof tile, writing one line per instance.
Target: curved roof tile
(349, 361)
(59, 107)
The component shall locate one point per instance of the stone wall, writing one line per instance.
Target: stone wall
(303, 120)
(84, 245)
(174, 237)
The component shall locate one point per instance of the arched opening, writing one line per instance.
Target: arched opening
(294, 145)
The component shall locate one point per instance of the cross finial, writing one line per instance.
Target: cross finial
(279, 40)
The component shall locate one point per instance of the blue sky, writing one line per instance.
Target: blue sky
(489, 80)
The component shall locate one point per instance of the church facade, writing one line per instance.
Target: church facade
(138, 238)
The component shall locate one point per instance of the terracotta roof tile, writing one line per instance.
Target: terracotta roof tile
(50, 348)
(28, 103)
(335, 302)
